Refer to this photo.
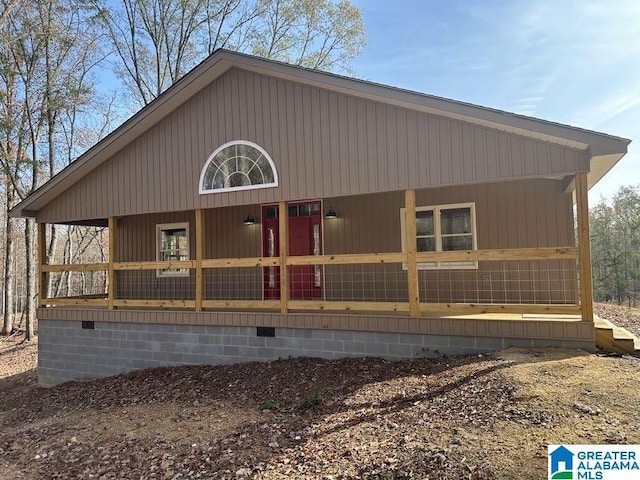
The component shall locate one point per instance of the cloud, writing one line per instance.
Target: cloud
(608, 108)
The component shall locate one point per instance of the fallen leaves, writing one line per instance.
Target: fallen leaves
(462, 418)
(620, 315)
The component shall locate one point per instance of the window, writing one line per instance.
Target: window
(238, 165)
(444, 228)
(172, 241)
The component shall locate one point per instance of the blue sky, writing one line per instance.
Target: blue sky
(569, 61)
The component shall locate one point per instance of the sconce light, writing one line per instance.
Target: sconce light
(250, 220)
(331, 213)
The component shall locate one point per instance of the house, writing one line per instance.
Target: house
(258, 210)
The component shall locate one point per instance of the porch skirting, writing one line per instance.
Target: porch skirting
(86, 345)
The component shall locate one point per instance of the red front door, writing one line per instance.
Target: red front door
(305, 238)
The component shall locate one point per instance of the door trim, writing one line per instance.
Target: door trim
(272, 204)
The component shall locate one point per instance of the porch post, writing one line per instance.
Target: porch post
(584, 245)
(42, 261)
(113, 223)
(199, 257)
(283, 238)
(412, 267)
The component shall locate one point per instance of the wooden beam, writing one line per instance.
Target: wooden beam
(155, 303)
(241, 262)
(42, 262)
(550, 253)
(113, 226)
(283, 238)
(584, 245)
(154, 265)
(546, 253)
(349, 306)
(347, 259)
(199, 256)
(102, 296)
(94, 302)
(243, 304)
(569, 183)
(76, 267)
(410, 248)
(431, 309)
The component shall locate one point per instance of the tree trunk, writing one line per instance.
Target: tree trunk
(51, 253)
(68, 259)
(9, 298)
(30, 305)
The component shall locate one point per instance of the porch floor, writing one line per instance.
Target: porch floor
(510, 316)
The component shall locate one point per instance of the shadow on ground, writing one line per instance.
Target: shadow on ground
(249, 419)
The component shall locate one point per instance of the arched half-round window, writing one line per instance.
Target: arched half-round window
(238, 165)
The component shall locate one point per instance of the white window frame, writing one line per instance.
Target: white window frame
(264, 153)
(438, 236)
(161, 273)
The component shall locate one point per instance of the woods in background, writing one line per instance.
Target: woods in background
(615, 247)
(53, 107)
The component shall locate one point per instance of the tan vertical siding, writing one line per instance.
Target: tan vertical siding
(518, 214)
(324, 144)
(225, 237)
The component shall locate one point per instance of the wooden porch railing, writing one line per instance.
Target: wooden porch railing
(409, 258)
(424, 308)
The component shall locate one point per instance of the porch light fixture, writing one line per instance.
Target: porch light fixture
(331, 213)
(250, 220)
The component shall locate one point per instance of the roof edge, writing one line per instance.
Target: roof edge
(132, 127)
(599, 144)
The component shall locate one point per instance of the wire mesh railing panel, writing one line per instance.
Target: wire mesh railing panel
(334, 279)
(355, 283)
(154, 285)
(242, 283)
(76, 284)
(516, 282)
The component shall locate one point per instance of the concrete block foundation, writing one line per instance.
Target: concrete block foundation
(69, 350)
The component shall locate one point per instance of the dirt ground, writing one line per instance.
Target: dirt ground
(478, 417)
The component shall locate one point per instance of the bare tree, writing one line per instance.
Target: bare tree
(615, 246)
(45, 71)
(157, 41)
(6, 8)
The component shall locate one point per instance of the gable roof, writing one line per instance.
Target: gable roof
(605, 150)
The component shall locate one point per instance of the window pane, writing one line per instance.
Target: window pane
(462, 242)
(426, 244)
(239, 158)
(266, 170)
(255, 176)
(238, 180)
(224, 155)
(173, 244)
(457, 220)
(174, 247)
(207, 182)
(247, 151)
(244, 164)
(424, 223)
(271, 212)
(218, 180)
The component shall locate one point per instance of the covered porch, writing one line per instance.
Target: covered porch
(233, 299)
(547, 290)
